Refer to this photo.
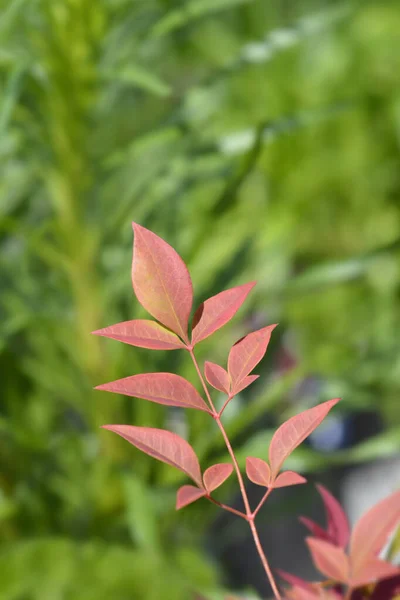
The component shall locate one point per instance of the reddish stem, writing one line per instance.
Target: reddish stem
(249, 515)
(263, 499)
(228, 508)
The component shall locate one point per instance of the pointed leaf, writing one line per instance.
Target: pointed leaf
(166, 446)
(258, 471)
(315, 529)
(372, 530)
(142, 333)
(163, 388)
(329, 559)
(216, 475)
(299, 593)
(373, 570)
(215, 312)
(247, 353)
(288, 478)
(161, 281)
(294, 580)
(338, 529)
(217, 377)
(294, 431)
(188, 494)
(245, 383)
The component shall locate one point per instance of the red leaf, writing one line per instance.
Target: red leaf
(163, 445)
(217, 377)
(294, 431)
(372, 530)
(142, 333)
(258, 471)
(216, 475)
(188, 494)
(245, 383)
(163, 388)
(315, 529)
(247, 353)
(288, 478)
(294, 580)
(338, 529)
(329, 559)
(299, 593)
(161, 281)
(215, 312)
(373, 570)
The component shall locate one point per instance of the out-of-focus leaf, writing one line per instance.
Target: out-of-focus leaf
(139, 77)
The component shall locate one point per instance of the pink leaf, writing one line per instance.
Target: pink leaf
(299, 593)
(161, 281)
(373, 570)
(372, 530)
(329, 559)
(216, 475)
(315, 529)
(247, 353)
(217, 377)
(215, 312)
(338, 526)
(188, 494)
(142, 333)
(288, 478)
(163, 388)
(245, 383)
(163, 445)
(294, 580)
(294, 431)
(258, 471)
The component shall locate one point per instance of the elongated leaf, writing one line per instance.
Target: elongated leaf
(216, 475)
(166, 446)
(247, 353)
(258, 471)
(288, 478)
(338, 529)
(294, 580)
(294, 431)
(372, 530)
(161, 281)
(217, 377)
(373, 570)
(245, 383)
(329, 559)
(142, 333)
(163, 388)
(317, 531)
(215, 312)
(188, 494)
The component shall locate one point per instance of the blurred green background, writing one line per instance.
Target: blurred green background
(260, 139)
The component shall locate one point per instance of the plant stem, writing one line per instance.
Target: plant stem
(249, 515)
(228, 508)
(263, 499)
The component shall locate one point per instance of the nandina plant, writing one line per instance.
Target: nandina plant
(162, 284)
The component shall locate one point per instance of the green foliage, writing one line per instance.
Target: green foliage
(260, 139)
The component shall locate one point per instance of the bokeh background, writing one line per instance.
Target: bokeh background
(259, 138)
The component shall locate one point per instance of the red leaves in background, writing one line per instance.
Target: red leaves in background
(329, 559)
(161, 281)
(294, 431)
(143, 334)
(246, 354)
(163, 388)
(164, 445)
(216, 475)
(215, 312)
(338, 531)
(258, 471)
(217, 377)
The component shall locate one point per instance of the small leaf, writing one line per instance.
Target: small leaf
(288, 478)
(188, 494)
(371, 532)
(143, 334)
(294, 431)
(247, 353)
(338, 529)
(258, 471)
(165, 446)
(217, 377)
(294, 580)
(317, 531)
(245, 383)
(161, 281)
(373, 570)
(329, 559)
(215, 312)
(216, 475)
(163, 388)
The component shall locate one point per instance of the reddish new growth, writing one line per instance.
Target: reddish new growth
(162, 284)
